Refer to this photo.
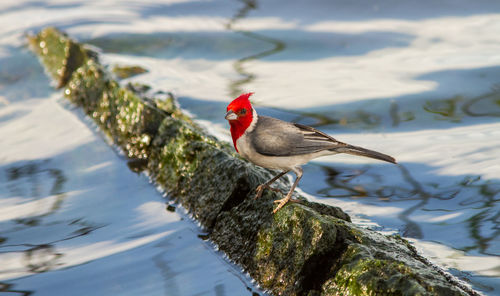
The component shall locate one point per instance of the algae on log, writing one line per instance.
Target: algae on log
(123, 72)
(59, 53)
(304, 249)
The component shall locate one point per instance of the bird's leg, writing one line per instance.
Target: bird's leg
(287, 198)
(261, 187)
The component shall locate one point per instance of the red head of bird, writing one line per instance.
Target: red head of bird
(240, 116)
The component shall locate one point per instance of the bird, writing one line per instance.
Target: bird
(280, 145)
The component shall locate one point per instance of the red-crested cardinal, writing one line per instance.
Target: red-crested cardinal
(275, 144)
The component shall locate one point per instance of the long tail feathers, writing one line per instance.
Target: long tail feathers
(355, 150)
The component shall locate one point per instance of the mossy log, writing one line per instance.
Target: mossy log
(304, 249)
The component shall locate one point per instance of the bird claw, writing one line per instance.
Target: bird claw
(282, 202)
(260, 189)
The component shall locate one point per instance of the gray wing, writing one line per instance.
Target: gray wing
(274, 137)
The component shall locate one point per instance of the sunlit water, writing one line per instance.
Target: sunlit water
(416, 81)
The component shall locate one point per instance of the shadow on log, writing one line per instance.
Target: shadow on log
(304, 249)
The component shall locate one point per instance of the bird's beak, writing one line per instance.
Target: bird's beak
(230, 115)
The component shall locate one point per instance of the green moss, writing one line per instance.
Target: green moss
(123, 72)
(86, 89)
(60, 54)
(175, 158)
(374, 277)
(168, 105)
(264, 244)
(382, 266)
(293, 243)
(131, 121)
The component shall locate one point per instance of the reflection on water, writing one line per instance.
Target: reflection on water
(9, 288)
(37, 190)
(470, 194)
(237, 87)
(485, 105)
(41, 258)
(405, 115)
(27, 181)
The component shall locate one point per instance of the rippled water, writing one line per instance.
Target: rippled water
(418, 81)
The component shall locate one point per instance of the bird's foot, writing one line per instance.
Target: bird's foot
(260, 189)
(282, 202)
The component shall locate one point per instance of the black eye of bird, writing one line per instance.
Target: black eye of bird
(243, 111)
